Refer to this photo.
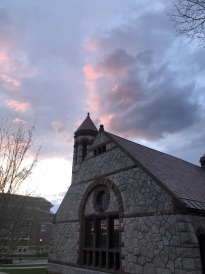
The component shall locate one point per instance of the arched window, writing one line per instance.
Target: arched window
(101, 248)
(84, 150)
(202, 251)
(100, 236)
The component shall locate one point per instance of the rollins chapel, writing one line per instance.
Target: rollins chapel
(129, 209)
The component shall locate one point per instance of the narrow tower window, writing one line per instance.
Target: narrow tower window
(84, 150)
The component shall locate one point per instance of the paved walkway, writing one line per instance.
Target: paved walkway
(30, 261)
(22, 267)
(19, 267)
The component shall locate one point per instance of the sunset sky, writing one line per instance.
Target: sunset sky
(119, 60)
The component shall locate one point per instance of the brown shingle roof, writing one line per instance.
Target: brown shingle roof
(181, 178)
(87, 124)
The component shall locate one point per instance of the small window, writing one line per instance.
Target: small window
(26, 224)
(43, 227)
(99, 150)
(111, 260)
(102, 233)
(94, 153)
(103, 259)
(101, 199)
(20, 249)
(24, 234)
(90, 258)
(104, 148)
(89, 232)
(97, 258)
(114, 233)
(25, 250)
(84, 150)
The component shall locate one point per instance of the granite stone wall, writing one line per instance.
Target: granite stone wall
(153, 244)
(140, 194)
(104, 163)
(64, 242)
(161, 244)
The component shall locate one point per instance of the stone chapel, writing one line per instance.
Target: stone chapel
(129, 209)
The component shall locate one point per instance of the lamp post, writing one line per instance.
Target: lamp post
(40, 241)
(13, 252)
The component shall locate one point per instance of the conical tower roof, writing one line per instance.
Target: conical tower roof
(87, 126)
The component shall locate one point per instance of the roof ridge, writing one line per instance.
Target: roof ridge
(153, 149)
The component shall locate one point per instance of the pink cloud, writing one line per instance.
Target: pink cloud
(16, 105)
(91, 73)
(9, 83)
(93, 98)
(92, 45)
(18, 120)
(10, 80)
(10, 65)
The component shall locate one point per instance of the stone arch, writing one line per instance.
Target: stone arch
(101, 181)
(83, 140)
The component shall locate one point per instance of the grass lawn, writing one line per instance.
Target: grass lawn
(25, 271)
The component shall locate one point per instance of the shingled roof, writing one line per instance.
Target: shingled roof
(180, 178)
(87, 124)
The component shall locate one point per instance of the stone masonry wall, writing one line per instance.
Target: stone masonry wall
(64, 242)
(161, 245)
(139, 192)
(104, 163)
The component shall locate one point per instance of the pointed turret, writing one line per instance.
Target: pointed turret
(83, 139)
(87, 127)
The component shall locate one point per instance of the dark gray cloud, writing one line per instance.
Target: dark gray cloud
(158, 94)
(148, 102)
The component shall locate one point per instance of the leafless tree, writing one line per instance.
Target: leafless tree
(17, 212)
(189, 19)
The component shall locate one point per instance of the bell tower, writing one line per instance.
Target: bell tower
(83, 139)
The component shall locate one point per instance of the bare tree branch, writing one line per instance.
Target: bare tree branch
(16, 165)
(189, 19)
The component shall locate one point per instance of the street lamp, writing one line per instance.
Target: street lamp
(40, 241)
(13, 252)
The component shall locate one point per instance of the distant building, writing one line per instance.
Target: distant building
(25, 225)
(129, 209)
